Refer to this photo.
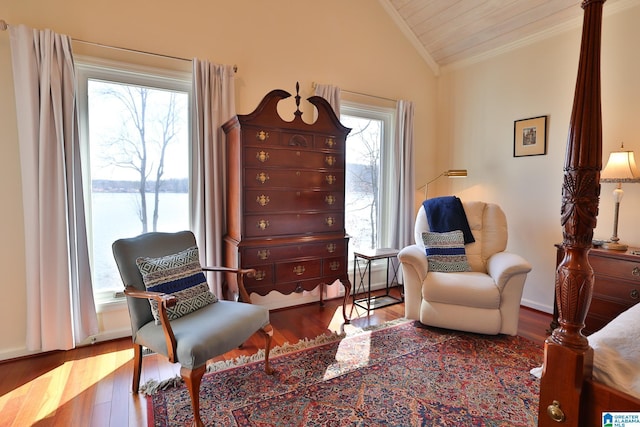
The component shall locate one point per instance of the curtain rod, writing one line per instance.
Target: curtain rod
(4, 26)
(314, 84)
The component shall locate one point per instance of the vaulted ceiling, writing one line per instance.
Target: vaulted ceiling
(453, 31)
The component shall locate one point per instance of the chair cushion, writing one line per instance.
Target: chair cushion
(445, 251)
(469, 289)
(181, 275)
(206, 333)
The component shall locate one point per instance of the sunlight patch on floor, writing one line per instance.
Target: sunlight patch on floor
(96, 368)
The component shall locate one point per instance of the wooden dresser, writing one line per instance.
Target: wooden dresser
(285, 210)
(616, 285)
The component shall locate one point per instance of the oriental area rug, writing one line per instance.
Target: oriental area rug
(403, 374)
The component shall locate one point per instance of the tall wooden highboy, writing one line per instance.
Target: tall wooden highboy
(285, 199)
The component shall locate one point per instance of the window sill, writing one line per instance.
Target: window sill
(112, 304)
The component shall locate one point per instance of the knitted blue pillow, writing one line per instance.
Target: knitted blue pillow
(179, 274)
(445, 251)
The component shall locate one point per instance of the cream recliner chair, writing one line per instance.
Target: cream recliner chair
(484, 300)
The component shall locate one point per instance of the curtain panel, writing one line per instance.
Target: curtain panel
(213, 105)
(60, 307)
(331, 94)
(404, 177)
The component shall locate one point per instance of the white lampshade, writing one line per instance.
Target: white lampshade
(621, 166)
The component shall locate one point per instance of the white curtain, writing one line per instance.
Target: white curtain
(401, 199)
(60, 308)
(214, 104)
(331, 94)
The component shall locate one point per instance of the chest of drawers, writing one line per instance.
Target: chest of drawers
(616, 285)
(285, 199)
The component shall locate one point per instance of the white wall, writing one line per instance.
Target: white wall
(478, 105)
(353, 44)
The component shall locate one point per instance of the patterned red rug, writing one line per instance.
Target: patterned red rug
(402, 375)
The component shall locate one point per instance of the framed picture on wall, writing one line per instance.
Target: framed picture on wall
(530, 137)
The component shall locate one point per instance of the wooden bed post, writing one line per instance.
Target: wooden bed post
(567, 355)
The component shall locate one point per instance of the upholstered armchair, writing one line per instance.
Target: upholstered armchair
(485, 299)
(174, 314)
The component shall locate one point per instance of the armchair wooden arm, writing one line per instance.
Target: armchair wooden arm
(164, 301)
(244, 295)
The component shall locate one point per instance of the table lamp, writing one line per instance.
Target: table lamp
(620, 168)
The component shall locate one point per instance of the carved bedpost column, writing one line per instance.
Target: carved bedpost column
(568, 357)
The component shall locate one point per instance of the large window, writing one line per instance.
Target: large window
(135, 131)
(369, 139)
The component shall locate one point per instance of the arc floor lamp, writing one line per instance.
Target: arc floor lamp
(451, 173)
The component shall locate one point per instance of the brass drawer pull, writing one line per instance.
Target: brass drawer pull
(262, 156)
(331, 248)
(260, 275)
(262, 177)
(334, 266)
(330, 200)
(330, 221)
(298, 270)
(262, 135)
(330, 142)
(330, 160)
(263, 224)
(330, 179)
(634, 294)
(635, 271)
(263, 254)
(262, 200)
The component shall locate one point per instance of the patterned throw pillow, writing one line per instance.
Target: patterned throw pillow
(178, 274)
(445, 251)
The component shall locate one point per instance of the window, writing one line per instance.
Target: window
(369, 139)
(135, 133)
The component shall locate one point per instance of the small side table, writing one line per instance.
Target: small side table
(362, 267)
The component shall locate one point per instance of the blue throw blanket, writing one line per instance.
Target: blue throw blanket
(447, 214)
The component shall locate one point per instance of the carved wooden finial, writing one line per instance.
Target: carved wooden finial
(298, 112)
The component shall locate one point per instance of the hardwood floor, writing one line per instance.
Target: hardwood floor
(90, 386)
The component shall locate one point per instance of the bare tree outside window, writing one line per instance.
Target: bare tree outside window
(362, 181)
(138, 160)
(144, 122)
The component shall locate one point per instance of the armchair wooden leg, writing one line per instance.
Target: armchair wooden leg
(192, 379)
(137, 367)
(267, 331)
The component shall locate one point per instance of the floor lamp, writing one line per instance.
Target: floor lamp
(620, 168)
(451, 173)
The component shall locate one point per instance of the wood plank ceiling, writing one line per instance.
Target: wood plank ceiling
(457, 30)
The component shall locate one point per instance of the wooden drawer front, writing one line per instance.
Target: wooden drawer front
(264, 276)
(265, 137)
(292, 200)
(608, 288)
(283, 157)
(298, 270)
(333, 267)
(265, 178)
(286, 288)
(260, 136)
(289, 224)
(266, 254)
(602, 311)
(621, 268)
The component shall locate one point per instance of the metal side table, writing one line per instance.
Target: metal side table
(362, 268)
